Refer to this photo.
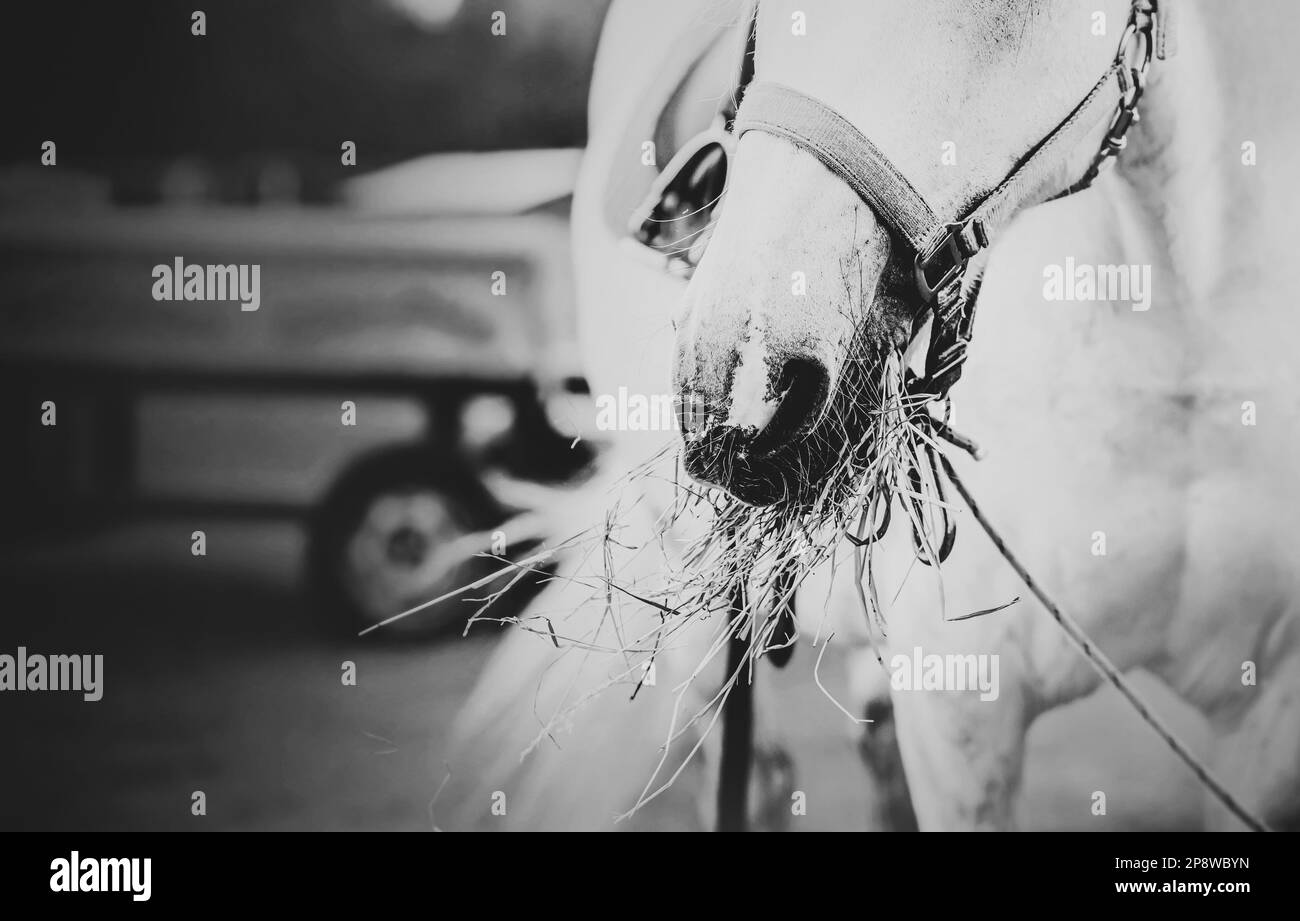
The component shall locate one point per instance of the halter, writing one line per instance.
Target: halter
(949, 251)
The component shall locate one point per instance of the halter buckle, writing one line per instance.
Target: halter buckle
(946, 258)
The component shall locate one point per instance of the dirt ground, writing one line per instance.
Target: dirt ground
(216, 679)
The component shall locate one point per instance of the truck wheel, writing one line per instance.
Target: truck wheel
(400, 528)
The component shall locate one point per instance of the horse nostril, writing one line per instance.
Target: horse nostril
(803, 386)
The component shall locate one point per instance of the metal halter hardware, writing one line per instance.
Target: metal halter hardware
(948, 255)
(942, 264)
(1132, 61)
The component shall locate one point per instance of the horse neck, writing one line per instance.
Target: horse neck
(1220, 218)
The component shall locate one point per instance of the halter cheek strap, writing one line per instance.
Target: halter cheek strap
(944, 248)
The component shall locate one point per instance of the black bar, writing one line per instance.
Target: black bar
(985, 875)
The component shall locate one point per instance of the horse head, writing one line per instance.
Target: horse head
(805, 293)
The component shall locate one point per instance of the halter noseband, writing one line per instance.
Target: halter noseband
(948, 251)
(944, 248)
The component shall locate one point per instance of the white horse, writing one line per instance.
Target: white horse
(1138, 458)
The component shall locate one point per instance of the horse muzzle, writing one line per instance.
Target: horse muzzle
(755, 454)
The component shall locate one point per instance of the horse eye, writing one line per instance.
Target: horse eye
(708, 178)
(676, 219)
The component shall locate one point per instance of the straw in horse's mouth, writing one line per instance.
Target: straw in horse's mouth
(812, 492)
(854, 460)
(799, 451)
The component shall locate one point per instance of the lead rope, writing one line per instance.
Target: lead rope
(1101, 662)
(737, 758)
